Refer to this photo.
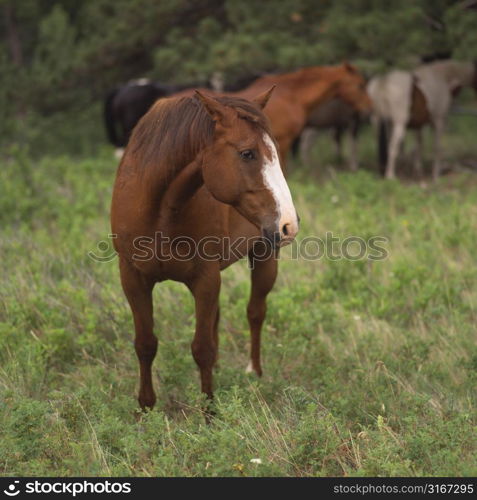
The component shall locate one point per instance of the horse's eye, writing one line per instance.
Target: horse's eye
(247, 155)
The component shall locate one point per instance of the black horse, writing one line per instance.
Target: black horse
(126, 104)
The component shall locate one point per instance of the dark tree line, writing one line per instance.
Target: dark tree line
(59, 55)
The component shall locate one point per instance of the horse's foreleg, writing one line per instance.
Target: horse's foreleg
(418, 153)
(353, 163)
(284, 146)
(438, 132)
(338, 136)
(396, 140)
(353, 160)
(138, 291)
(206, 288)
(216, 335)
(263, 276)
(382, 127)
(308, 138)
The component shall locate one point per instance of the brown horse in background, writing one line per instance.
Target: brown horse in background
(299, 93)
(200, 172)
(338, 117)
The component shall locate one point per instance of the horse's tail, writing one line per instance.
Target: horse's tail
(109, 120)
(383, 141)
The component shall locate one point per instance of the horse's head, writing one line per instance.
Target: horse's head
(351, 87)
(241, 167)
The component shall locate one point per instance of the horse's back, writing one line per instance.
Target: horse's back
(434, 80)
(141, 95)
(391, 95)
(333, 113)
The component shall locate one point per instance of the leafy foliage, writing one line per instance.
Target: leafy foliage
(62, 54)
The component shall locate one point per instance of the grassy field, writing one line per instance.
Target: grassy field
(370, 367)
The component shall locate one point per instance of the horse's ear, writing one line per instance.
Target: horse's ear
(263, 98)
(216, 110)
(350, 67)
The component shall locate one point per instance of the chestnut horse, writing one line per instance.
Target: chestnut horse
(299, 93)
(199, 171)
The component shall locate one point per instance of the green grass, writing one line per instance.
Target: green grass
(370, 367)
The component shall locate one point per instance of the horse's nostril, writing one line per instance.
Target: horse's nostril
(285, 229)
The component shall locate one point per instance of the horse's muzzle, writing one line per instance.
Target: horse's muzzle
(271, 236)
(280, 236)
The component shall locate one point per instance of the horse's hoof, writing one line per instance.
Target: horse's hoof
(209, 416)
(209, 410)
(146, 402)
(251, 369)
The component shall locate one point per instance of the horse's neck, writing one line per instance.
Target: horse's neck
(313, 88)
(466, 74)
(455, 74)
(180, 190)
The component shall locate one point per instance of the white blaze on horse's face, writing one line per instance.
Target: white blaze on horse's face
(287, 220)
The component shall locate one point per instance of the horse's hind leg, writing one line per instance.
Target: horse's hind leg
(138, 290)
(438, 132)
(206, 290)
(263, 276)
(353, 163)
(394, 145)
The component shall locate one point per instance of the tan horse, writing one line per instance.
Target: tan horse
(403, 99)
(199, 187)
(299, 93)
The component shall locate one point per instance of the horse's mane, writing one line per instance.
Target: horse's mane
(172, 133)
(289, 77)
(291, 81)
